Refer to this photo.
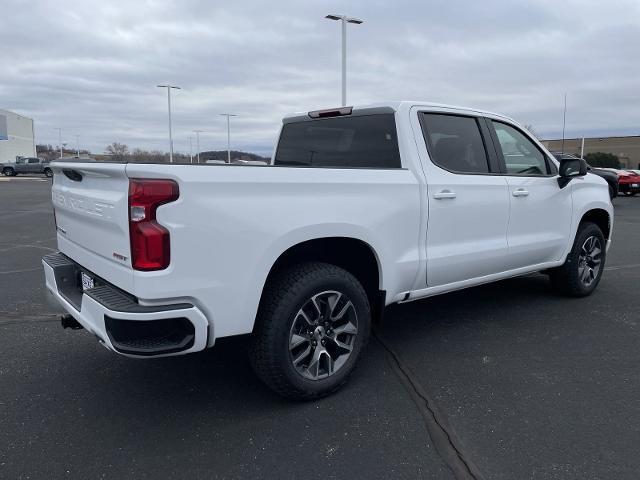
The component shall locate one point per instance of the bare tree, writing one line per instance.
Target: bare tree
(117, 150)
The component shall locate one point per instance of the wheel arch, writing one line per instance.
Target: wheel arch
(601, 218)
(352, 254)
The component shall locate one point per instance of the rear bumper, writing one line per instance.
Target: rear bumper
(118, 321)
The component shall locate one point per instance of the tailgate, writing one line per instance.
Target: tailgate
(92, 221)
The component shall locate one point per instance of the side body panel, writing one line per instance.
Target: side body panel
(231, 224)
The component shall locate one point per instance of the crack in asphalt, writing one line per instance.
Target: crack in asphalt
(444, 440)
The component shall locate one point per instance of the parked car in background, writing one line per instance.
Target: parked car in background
(628, 182)
(610, 177)
(26, 165)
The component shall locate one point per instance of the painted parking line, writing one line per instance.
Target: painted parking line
(34, 179)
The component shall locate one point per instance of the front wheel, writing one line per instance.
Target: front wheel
(313, 322)
(582, 270)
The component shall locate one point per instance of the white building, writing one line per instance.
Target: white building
(16, 137)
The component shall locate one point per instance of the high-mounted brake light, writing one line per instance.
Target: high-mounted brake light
(332, 112)
(150, 246)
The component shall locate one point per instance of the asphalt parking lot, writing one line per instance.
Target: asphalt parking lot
(504, 381)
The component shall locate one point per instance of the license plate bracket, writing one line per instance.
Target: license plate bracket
(87, 281)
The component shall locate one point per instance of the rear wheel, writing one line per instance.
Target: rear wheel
(48, 172)
(581, 272)
(313, 323)
(8, 171)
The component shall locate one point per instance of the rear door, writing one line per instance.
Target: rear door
(92, 221)
(541, 211)
(33, 165)
(468, 204)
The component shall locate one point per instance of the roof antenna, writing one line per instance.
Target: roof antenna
(564, 119)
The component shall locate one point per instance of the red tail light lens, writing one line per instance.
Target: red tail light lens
(150, 245)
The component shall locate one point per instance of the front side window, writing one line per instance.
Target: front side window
(521, 156)
(455, 143)
(367, 141)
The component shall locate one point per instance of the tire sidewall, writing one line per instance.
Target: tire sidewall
(285, 315)
(48, 173)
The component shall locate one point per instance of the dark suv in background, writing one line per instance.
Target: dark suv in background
(610, 177)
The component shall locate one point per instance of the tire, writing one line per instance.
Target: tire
(283, 351)
(582, 270)
(9, 172)
(48, 173)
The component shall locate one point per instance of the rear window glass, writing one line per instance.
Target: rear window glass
(455, 143)
(368, 141)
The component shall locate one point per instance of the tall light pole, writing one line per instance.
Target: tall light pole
(59, 139)
(191, 149)
(169, 87)
(228, 115)
(344, 20)
(77, 145)
(198, 132)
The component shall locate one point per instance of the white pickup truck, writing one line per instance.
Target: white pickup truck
(360, 208)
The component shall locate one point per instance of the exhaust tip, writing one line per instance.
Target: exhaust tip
(67, 321)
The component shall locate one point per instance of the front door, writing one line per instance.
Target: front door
(540, 218)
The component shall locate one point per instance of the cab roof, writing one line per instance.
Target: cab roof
(385, 107)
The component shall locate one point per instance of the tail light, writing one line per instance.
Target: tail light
(150, 246)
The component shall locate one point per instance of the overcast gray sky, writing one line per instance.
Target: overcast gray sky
(92, 67)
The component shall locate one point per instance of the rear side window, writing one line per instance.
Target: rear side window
(368, 141)
(455, 143)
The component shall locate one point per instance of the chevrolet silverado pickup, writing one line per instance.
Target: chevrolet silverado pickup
(26, 165)
(360, 208)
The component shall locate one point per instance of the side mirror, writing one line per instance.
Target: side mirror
(571, 168)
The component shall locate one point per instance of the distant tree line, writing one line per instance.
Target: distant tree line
(601, 159)
(49, 152)
(119, 152)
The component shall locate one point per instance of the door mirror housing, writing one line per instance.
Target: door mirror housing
(571, 168)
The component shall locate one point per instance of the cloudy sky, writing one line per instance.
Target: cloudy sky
(92, 67)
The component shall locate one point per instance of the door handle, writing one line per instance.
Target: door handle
(444, 194)
(520, 192)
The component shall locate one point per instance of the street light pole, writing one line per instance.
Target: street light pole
(191, 149)
(228, 115)
(198, 143)
(59, 139)
(78, 146)
(344, 20)
(169, 87)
